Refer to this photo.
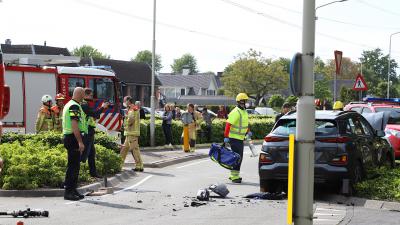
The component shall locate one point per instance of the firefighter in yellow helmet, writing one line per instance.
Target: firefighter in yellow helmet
(45, 117)
(57, 112)
(236, 129)
(338, 106)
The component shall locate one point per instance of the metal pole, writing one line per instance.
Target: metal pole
(334, 88)
(390, 50)
(305, 134)
(152, 98)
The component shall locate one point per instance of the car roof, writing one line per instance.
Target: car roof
(372, 105)
(322, 114)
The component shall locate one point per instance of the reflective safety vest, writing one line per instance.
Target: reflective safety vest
(67, 122)
(45, 120)
(132, 122)
(239, 121)
(57, 112)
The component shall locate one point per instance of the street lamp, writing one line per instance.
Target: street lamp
(390, 50)
(335, 80)
(152, 98)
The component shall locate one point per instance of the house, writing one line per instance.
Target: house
(135, 77)
(196, 88)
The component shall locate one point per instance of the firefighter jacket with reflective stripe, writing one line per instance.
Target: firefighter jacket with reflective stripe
(57, 112)
(45, 119)
(66, 118)
(132, 122)
(238, 119)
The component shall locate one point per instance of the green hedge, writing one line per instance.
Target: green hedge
(260, 127)
(40, 161)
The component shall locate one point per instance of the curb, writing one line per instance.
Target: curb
(366, 203)
(111, 181)
(171, 161)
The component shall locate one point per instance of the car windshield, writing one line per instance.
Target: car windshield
(322, 127)
(394, 114)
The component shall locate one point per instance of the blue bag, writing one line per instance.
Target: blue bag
(224, 156)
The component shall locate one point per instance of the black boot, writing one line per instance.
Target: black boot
(76, 192)
(70, 195)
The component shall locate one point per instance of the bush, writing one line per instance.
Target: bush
(40, 161)
(276, 101)
(292, 100)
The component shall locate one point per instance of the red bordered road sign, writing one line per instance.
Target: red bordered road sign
(338, 61)
(360, 84)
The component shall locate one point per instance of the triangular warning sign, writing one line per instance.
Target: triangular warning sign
(360, 84)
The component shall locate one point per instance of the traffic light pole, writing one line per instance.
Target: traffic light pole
(305, 136)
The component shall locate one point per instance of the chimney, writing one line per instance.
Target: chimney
(185, 70)
(8, 41)
(219, 74)
(45, 44)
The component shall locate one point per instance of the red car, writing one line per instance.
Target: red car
(392, 129)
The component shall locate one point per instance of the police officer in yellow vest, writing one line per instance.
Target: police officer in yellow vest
(132, 132)
(74, 128)
(92, 114)
(236, 129)
(45, 117)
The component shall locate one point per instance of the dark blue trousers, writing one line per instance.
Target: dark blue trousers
(237, 146)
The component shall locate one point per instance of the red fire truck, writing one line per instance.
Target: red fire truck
(32, 76)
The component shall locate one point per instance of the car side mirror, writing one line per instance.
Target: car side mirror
(380, 133)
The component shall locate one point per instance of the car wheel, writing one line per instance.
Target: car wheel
(357, 175)
(270, 186)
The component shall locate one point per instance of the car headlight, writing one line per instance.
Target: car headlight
(393, 132)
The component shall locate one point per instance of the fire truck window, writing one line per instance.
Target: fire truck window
(103, 88)
(73, 83)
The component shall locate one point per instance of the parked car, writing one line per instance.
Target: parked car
(392, 129)
(252, 112)
(266, 111)
(345, 146)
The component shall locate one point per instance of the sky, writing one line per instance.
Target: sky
(214, 31)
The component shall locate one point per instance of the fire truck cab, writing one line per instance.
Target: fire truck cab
(32, 76)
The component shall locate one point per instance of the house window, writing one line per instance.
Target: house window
(203, 91)
(183, 91)
(191, 91)
(210, 92)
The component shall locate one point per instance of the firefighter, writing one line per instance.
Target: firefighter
(74, 129)
(236, 129)
(338, 106)
(132, 133)
(57, 112)
(45, 117)
(194, 126)
(92, 114)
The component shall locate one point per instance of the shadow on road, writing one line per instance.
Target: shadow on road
(111, 205)
(159, 174)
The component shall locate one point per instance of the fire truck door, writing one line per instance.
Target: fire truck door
(14, 121)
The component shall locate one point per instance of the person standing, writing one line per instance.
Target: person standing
(92, 114)
(285, 109)
(178, 113)
(221, 112)
(236, 129)
(167, 126)
(74, 128)
(57, 112)
(142, 113)
(45, 117)
(208, 118)
(193, 126)
(132, 133)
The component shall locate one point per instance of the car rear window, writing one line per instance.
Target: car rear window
(285, 127)
(394, 114)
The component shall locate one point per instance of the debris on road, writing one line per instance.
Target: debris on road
(219, 189)
(267, 196)
(203, 195)
(197, 204)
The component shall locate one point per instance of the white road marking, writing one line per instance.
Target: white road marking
(191, 164)
(125, 189)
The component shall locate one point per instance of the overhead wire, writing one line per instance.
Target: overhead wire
(377, 7)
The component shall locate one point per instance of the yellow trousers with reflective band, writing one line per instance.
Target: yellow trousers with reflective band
(132, 145)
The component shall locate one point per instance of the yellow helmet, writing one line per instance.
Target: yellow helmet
(241, 96)
(338, 105)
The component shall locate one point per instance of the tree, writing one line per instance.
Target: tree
(146, 56)
(186, 60)
(86, 51)
(347, 95)
(375, 61)
(255, 75)
(349, 69)
(322, 90)
(276, 101)
(380, 90)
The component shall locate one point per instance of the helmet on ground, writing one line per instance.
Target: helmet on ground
(46, 98)
(60, 96)
(219, 189)
(241, 96)
(203, 195)
(338, 105)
